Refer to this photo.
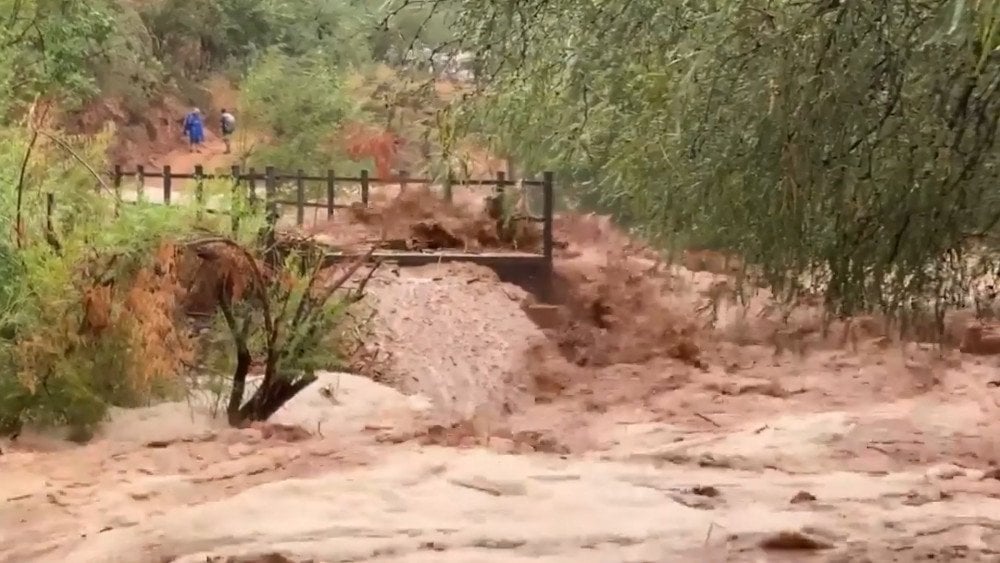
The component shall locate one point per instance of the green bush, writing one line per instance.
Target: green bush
(89, 309)
(298, 122)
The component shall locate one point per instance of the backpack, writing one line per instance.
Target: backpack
(228, 123)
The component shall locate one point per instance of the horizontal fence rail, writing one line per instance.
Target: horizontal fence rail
(272, 179)
(251, 174)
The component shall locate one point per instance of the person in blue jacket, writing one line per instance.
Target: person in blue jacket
(194, 129)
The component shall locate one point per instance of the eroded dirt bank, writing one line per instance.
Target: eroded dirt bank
(651, 419)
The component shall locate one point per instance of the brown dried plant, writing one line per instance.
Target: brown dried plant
(119, 340)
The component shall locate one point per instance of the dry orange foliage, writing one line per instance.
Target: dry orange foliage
(97, 308)
(142, 312)
(213, 269)
(159, 344)
(382, 146)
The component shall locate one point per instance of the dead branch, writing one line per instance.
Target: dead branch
(350, 272)
(79, 159)
(258, 277)
(243, 357)
(18, 223)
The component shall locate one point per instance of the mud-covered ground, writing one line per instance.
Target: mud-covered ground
(648, 418)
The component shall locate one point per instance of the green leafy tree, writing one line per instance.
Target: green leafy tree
(47, 48)
(197, 37)
(847, 147)
(410, 29)
(298, 120)
(87, 296)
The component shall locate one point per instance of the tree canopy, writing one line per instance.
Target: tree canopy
(50, 44)
(851, 140)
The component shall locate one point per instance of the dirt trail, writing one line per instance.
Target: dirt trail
(181, 160)
(212, 155)
(651, 419)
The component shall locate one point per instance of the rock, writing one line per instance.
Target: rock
(159, 444)
(706, 491)
(791, 540)
(803, 496)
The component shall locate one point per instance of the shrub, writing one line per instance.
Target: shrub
(284, 319)
(297, 121)
(90, 300)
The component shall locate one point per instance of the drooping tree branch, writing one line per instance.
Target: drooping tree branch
(811, 137)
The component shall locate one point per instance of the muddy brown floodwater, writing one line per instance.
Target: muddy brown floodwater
(649, 419)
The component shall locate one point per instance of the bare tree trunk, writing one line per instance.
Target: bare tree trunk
(243, 357)
(271, 396)
(243, 362)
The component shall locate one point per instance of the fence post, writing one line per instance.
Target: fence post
(300, 198)
(501, 180)
(235, 205)
(140, 191)
(331, 192)
(50, 207)
(167, 180)
(199, 187)
(548, 206)
(271, 217)
(448, 182)
(252, 186)
(364, 188)
(117, 186)
(403, 175)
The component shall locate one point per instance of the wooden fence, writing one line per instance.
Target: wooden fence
(272, 180)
